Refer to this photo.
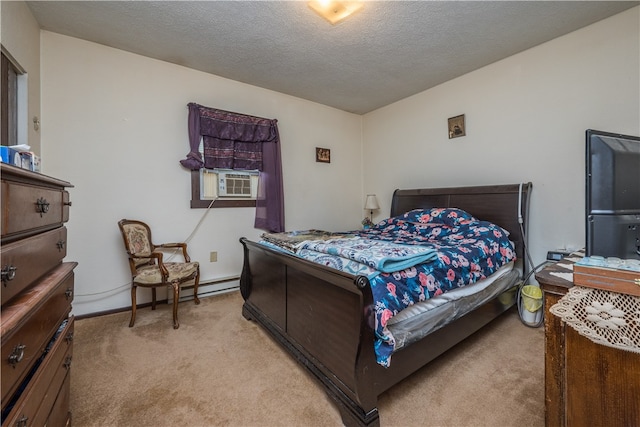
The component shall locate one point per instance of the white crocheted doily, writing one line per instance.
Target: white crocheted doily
(606, 318)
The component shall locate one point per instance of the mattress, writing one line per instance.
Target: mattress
(423, 318)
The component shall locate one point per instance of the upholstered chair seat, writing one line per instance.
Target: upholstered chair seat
(177, 271)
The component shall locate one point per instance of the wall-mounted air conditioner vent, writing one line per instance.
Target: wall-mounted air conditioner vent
(234, 184)
(228, 184)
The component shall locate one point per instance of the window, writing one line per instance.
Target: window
(207, 182)
(9, 102)
(238, 141)
(13, 85)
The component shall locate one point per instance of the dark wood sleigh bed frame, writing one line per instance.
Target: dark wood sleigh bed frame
(324, 317)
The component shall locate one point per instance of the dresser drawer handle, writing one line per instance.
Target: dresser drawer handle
(61, 244)
(8, 273)
(42, 206)
(67, 362)
(68, 293)
(22, 421)
(17, 355)
(67, 203)
(69, 337)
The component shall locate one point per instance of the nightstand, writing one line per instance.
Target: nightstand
(586, 384)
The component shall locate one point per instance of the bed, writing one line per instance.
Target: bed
(325, 318)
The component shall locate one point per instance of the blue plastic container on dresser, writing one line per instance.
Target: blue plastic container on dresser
(10, 156)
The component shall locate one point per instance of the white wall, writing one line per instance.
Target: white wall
(526, 118)
(115, 125)
(20, 35)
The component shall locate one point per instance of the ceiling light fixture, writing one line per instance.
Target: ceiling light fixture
(335, 11)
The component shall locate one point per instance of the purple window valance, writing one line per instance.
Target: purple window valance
(230, 140)
(238, 141)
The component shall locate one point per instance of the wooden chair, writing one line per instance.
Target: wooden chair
(148, 269)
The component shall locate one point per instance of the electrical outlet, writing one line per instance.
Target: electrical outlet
(213, 256)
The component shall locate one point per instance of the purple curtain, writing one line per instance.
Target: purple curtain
(238, 141)
(270, 200)
(193, 160)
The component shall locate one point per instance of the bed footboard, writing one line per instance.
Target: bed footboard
(321, 317)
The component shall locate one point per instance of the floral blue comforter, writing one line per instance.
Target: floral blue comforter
(414, 257)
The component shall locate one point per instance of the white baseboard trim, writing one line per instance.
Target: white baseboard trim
(211, 288)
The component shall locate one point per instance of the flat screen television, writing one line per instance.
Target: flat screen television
(612, 195)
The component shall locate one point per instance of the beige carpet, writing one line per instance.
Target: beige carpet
(219, 369)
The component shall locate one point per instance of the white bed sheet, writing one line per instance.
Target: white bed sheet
(417, 321)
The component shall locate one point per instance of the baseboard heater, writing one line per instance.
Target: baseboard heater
(210, 288)
(207, 288)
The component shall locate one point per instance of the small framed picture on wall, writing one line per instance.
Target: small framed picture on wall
(323, 155)
(456, 126)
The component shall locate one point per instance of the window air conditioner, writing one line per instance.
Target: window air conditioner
(228, 184)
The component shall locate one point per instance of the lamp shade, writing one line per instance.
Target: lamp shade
(371, 203)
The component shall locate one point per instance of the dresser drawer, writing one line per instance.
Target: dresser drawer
(29, 208)
(60, 415)
(29, 322)
(28, 259)
(48, 390)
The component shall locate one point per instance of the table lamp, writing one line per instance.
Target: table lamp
(372, 205)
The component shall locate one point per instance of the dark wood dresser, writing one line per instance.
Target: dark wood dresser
(36, 292)
(586, 384)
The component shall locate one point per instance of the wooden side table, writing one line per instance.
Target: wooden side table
(586, 384)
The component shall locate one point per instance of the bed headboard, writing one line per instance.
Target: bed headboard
(495, 203)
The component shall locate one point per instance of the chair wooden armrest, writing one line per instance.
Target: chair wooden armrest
(163, 270)
(183, 246)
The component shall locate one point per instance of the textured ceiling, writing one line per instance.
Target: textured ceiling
(388, 51)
